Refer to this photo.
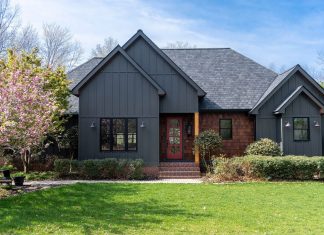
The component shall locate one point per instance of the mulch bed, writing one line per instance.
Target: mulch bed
(11, 190)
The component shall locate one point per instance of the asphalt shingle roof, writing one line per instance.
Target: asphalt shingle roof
(231, 80)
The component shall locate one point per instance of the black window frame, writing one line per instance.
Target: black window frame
(111, 135)
(220, 128)
(308, 130)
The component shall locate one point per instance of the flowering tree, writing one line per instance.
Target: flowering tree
(27, 110)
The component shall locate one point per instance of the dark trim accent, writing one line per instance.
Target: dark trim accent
(308, 130)
(282, 107)
(111, 135)
(220, 128)
(295, 69)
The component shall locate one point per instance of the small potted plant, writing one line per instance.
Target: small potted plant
(19, 178)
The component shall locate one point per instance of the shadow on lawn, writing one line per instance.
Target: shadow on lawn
(110, 207)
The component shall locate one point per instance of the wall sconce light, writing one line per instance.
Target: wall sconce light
(93, 125)
(316, 124)
(287, 124)
(142, 125)
(189, 129)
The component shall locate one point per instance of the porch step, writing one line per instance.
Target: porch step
(179, 170)
(177, 164)
(179, 177)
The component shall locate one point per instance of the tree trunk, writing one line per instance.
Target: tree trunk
(25, 160)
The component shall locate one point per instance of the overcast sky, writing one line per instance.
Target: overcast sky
(282, 33)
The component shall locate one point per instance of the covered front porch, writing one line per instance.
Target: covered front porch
(178, 156)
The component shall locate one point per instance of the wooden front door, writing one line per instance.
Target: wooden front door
(174, 138)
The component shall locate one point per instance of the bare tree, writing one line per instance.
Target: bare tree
(104, 49)
(58, 47)
(8, 25)
(179, 45)
(27, 39)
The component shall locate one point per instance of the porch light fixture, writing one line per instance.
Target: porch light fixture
(93, 125)
(287, 124)
(316, 124)
(189, 129)
(142, 125)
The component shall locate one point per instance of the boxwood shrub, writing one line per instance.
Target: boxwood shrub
(271, 168)
(265, 146)
(109, 168)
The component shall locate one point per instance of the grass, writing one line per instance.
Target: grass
(251, 208)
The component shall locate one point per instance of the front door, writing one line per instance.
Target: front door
(174, 138)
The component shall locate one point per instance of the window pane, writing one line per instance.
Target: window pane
(119, 134)
(104, 134)
(226, 123)
(300, 134)
(132, 130)
(301, 123)
(226, 133)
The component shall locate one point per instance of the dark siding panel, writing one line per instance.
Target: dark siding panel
(119, 90)
(302, 106)
(178, 91)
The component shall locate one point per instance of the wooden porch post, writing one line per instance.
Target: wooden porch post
(196, 134)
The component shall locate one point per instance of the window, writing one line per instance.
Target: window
(225, 128)
(118, 134)
(301, 129)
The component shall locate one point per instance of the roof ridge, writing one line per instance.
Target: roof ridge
(291, 68)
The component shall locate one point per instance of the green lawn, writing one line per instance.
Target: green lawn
(254, 208)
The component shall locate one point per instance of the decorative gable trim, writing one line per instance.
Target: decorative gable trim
(140, 33)
(282, 107)
(96, 69)
(295, 69)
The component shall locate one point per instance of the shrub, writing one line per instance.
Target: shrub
(265, 147)
(265, 167)
(108, 168)
(137, 169)
(208, 142)
(90, 169)
(66, 166)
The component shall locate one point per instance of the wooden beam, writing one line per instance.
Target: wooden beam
(196, 134)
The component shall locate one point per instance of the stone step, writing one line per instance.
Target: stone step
(177, 164)
(179, 168)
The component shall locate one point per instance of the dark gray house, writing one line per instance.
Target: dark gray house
(141, 101)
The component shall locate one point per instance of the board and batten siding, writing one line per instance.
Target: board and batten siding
(180, 96)
(268, 125)
(119, 91)
(302, 106)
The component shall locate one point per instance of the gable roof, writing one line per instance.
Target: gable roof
(231, 80)
(140, 33)
(279, 81)
(104, 61)
(301, 89)
(75, 76)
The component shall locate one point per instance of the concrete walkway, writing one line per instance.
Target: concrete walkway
(68, 182)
